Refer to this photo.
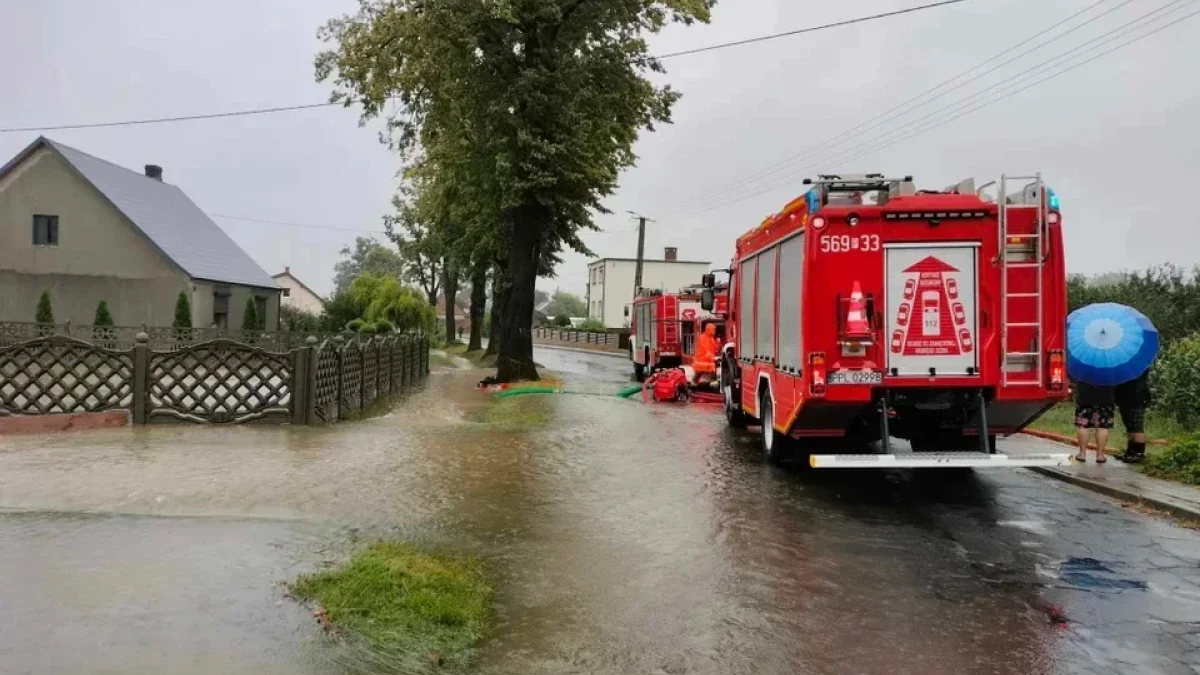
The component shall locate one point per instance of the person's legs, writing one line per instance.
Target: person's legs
(1083, 424)
(1104, 423)
(1134, 419)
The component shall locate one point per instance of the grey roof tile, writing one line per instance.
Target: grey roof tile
(170, 220)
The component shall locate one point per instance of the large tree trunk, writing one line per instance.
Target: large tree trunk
(478, 300)
(515, 362)
(450, 290)
(499, 298)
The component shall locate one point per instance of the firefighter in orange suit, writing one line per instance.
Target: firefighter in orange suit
(705, 363)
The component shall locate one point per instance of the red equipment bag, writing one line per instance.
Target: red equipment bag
(670, 385)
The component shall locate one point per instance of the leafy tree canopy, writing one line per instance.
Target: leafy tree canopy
(368, 257)
(384, 298)
(563, 303)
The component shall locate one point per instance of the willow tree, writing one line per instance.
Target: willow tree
(537, 102)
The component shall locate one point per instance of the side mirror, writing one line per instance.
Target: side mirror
(706, 299)
(708, 280)
(626, 310)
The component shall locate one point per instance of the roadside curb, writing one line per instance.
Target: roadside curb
(1172, 507)
(620, 355)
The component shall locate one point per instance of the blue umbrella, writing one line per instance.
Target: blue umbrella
(1108, 344)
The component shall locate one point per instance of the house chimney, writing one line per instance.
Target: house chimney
(287, 270)
(154, 171)
(670, 254)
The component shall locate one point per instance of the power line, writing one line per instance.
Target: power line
(812, 29)
(873, 145)
(923, 98)
(308, 106)
(181, 118)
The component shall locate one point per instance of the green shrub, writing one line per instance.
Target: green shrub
(593, 326)
(183, 312)
(383, 327)
(562, 321)
(45, 313)
(355, 326)
(1176, 380)
(368, 328)
(250, 316)
(298, 321)
(1179, 462)
(103, 316)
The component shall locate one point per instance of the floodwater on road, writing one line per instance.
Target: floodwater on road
(623, 538)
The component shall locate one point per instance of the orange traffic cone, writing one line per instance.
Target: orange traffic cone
(856, 318)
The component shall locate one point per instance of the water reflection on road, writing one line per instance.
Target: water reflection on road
(625, 539)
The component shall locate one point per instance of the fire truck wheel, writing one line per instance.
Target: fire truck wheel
(772, 441)
(730, 392)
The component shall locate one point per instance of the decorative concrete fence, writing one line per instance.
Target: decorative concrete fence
(216, 381)
(161, 337)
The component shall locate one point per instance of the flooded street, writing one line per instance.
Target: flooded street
(623, 539)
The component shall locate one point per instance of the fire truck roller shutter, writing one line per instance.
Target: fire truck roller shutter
(934, 287)
(746, 274)
(791, 262)
(764, 340)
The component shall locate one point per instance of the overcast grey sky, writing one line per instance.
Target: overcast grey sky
(1116, 138)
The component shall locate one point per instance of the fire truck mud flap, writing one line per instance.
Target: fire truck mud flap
(938, 460)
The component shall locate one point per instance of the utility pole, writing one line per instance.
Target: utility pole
(641, 250)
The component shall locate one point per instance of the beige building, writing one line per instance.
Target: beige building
(87, 230)
(297, 295)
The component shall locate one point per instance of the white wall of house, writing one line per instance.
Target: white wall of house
(610, 284)
(297, 296)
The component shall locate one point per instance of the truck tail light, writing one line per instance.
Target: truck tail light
(1057, 370)
(818, 372)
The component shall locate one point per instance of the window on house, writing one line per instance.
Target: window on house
(221, 309)
(45, 230)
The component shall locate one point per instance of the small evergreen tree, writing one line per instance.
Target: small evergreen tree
(250, 316)
(45, 313)
(103, 317)
(183, 312)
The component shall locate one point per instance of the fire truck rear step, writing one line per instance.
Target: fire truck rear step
(935, 460)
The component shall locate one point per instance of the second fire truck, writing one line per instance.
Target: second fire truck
(866, 310)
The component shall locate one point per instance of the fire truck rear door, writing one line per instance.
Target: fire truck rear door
(931, 301)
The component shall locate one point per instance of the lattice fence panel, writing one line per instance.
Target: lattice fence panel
(220, 381)
(370, 377)
(397, 349)
(351, 378)
(385, 366)
(326, 384)
(62, 375)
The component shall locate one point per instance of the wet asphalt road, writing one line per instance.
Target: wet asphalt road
(624, 539)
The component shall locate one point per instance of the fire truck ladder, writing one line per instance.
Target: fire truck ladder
(1020, 252)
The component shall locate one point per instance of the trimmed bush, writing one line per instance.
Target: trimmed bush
(383, 327)
(562, 321)
(592, 326)
(103, 316)
(368, 328)
(183, 312)
(1176, 380)
(45, 313)
(355, 326)
(250, 318)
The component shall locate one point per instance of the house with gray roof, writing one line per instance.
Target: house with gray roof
(87, 230)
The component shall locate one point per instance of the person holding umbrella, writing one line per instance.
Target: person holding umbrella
(1108, 345)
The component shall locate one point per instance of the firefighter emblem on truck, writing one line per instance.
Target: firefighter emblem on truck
(931, 316)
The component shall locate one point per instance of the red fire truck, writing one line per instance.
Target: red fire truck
(867, 310)
(663, 328)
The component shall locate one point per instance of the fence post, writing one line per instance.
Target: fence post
(141, 378)
(339, 343)
(304, 382)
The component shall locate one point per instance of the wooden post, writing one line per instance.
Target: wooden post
(141, 378)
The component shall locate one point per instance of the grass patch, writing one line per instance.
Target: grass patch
(1061, 420)
(518, 411)
(1178, 462)
(430, 607)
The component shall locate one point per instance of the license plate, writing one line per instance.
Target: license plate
(855, 377)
